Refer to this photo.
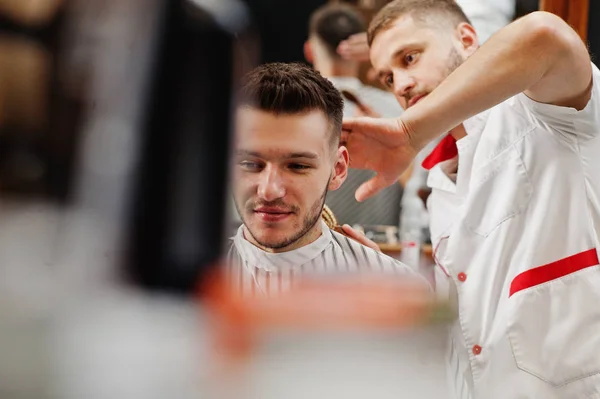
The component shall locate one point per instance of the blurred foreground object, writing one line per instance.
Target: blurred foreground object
(78, 89)
(179, 208)
(40, 107)
(338, 325)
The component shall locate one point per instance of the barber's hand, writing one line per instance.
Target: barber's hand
(380, 145)
(359, 237)
(355, 48)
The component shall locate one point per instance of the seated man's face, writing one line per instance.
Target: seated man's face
(284, 166)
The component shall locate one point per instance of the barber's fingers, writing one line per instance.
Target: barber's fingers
(381, 129)
(359, 237)
(372, 187)
(355, 126)
(350, 125)
(344, 138)
(347, 126)
(361, 125)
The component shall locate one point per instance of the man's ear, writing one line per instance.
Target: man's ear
(308, 52)
(467, 38)
(340, 168)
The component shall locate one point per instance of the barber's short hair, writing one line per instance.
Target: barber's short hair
(333, 23)
(293, 88)
(422, 11)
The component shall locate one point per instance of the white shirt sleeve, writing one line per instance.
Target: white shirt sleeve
(571, 124)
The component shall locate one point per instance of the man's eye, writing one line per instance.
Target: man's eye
(251, 166)
(389, 80)
(299, 167)
(410, 58)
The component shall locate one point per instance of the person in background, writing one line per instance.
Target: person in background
(329, 25)
(517, 220)
(287, 157)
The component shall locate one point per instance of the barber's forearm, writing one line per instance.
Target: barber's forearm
(512, 61)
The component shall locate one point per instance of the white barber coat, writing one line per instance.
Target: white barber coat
(518, 236)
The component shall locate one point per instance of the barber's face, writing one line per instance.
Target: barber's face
(412, 59)
(284, 165)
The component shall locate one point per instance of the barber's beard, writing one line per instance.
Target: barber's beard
(312, 217)
(454, 61)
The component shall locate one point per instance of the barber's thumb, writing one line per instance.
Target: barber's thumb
(370, 188)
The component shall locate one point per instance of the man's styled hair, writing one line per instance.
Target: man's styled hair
(293, 88)
(333, 23)
(422, 11)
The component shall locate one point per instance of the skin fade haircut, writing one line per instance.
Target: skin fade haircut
(445, 12)
(293, 88)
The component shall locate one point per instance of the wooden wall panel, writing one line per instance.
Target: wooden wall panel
(575, 12)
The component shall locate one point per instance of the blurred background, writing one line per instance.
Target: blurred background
(115, 120)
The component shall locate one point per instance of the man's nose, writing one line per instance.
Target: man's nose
(271, 185)
(403, 84)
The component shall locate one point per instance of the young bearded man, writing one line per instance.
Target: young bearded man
(287, 157)
(515, 208)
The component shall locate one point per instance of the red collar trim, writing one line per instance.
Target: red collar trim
(445, 150)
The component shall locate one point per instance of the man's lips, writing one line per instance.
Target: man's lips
(271, 210)
(268, 214)
(415, 99)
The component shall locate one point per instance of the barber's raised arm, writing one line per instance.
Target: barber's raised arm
(567, 80)
(538, 54)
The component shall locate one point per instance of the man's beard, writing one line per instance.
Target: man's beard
(311, 219)
(454, 61)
